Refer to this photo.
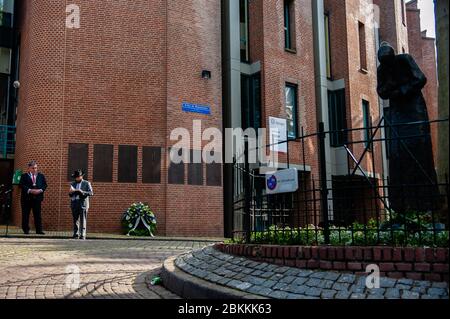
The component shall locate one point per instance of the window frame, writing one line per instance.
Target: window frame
(295, 119)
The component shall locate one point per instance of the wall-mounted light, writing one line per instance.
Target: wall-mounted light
(16, 84)
(206, 74)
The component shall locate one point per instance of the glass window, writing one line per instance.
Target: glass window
(328, 45)
(338, 117)
(243, 11)
(6, 12)
(251, 101)
(362, 46)
(289, 24)
(367, 123)
(291, 110)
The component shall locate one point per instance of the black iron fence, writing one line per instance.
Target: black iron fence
(356, 204)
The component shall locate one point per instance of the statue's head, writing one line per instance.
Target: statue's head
(386, 54)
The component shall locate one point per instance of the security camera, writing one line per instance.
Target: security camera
(16, 84)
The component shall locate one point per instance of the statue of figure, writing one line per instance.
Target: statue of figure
(412, 176)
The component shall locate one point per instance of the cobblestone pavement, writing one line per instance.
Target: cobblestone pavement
(291, 283)
(44, 268)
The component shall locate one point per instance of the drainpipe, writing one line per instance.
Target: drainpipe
(321, 88)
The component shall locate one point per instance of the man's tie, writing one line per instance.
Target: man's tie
(33, 178)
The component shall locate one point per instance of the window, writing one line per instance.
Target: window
(328, 45)
(103, 163)
(127, 169)
(362, 46)
(402, 3)
(6, 13)
(176, 171)
(244, 17)
(291, 110)
(77, 159)
(195, 168)
(151, 165)
(338, 117)
(289, 24)
(367, 123)
(251, 101)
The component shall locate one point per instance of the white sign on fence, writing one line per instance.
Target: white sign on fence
(284, 181)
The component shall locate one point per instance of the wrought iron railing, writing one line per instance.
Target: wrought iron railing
(357, 207)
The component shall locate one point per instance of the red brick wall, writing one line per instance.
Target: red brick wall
(120, 79)
(279, 67)
(415, 263)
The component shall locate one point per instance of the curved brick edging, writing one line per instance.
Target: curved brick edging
(414, 263)
(190, 287)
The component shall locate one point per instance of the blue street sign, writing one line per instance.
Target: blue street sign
(196, 108)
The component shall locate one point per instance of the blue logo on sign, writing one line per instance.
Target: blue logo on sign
(195, 108)
(272, 182)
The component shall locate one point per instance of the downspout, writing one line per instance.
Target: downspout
(321, 89)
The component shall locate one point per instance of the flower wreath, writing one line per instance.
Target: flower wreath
(139, 220)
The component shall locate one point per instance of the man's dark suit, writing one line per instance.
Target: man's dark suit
(32, 202)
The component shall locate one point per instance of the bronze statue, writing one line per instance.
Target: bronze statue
(412, 175)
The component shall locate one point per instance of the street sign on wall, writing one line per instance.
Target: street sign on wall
(283, 181)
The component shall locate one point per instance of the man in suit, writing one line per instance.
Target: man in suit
(33, 186)
(80, 191)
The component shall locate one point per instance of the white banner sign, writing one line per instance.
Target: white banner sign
(284, 181)
(278, 133)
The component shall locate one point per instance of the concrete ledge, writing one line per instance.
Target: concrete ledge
(190, 287)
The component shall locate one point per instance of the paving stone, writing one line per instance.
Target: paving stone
(333, 276)
(347, 278)
(269, 283)
(341, 286)
(280, 286)
(279, 294)
(288, 279)
(314, 292)
(267, 274)
(405, 281)
(267, 292)
(356, 295)
(406, 294)
(392, 293)
(297, 289)
(313, 282)
(318, 275)
(437, 292)
(343, 294)
(281, 270)
(328, 293)
(299, 281)
(255, 280)
(305, 273)
(442, 285)
(387, 282)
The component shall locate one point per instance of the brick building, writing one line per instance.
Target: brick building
(423, 49)
(106, 96)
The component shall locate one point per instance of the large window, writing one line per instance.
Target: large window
(402, 3)
(251, 101)
(291, 110)
(244, 17)
(289, 24)
(6, 13)
(338, 117)
(362, 46)
(367, 123)
(328, 44)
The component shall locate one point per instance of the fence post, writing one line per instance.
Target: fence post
(323, 183)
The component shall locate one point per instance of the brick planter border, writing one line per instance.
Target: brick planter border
(395, 262)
